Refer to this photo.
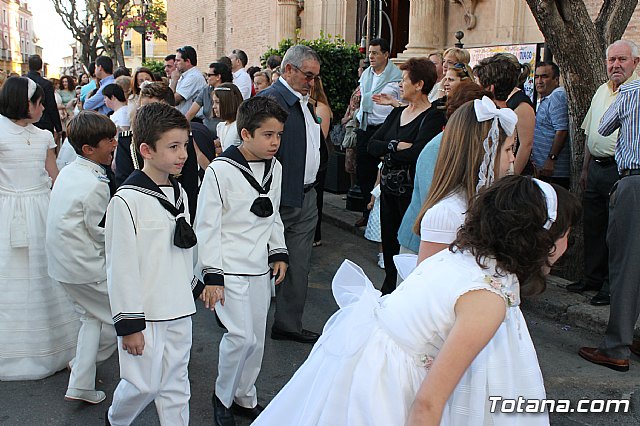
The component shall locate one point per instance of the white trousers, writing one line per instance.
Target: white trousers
(97, 336)
(244, 314)
(159, 374)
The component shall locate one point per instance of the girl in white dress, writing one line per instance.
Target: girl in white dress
(226, 99)
(398, 359)
(38, 325)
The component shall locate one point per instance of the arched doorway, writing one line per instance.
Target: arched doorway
(398, 12)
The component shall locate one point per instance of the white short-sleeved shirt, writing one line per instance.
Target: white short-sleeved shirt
(189, 85)
(441, 222)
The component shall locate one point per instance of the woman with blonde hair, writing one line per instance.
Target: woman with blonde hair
(455, 55)
(261, 80)
(454, 75)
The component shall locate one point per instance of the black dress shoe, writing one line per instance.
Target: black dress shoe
(249, 413)
(600, 299)
(222, 416)
(580, 286)
(305, 336)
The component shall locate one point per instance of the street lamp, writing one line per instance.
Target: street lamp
(142, 29)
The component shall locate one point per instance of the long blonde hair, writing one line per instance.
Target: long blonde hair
(459, 159)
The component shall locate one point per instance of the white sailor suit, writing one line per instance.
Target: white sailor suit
(240, 233)
(152, 289)
(76, 259)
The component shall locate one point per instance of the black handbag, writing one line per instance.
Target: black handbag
(396, 179)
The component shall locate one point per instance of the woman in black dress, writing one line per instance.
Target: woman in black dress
(398, 142)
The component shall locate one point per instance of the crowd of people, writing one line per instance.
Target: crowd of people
(125, 197)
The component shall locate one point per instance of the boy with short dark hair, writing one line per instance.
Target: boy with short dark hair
(75, 246)
(238, 209)
(150, 273)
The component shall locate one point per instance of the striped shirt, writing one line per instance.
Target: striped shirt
(552, 116)
(624, 114)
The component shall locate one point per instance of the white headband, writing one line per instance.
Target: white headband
(31, 88)
(486, 110)
(551, 199)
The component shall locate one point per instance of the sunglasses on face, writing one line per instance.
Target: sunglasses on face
(463, 68)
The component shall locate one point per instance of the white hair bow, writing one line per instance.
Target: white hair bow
(31, 88)
(507, 119)
(551, 199)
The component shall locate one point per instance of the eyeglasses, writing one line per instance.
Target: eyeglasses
(212, 75)
(307, 75)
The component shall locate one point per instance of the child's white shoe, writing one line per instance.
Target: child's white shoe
(90, 396)
(381, 260)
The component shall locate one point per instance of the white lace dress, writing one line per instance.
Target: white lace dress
(375, 352)
(38, 325)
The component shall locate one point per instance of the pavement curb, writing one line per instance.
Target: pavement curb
(556, 303)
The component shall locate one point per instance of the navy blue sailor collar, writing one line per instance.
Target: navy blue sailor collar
(262, 206)
(184, 237)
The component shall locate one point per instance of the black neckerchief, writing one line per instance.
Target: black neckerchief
(261, 206)
(184, 237)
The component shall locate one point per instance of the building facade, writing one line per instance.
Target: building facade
(415, 27)
(18, 39)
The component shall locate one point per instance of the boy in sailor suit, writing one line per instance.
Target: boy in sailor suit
(75, 246)
(150, 264)
(241, 241)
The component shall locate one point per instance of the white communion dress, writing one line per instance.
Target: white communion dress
(375, 352)
(38, 325)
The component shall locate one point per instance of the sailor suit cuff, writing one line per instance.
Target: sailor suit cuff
(216, 278)
(278, 256)
(196, 287)
(125, 327)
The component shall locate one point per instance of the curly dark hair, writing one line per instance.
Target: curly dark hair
(506, 222)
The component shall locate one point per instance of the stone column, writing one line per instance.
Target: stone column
(286, 20)
(427, 26)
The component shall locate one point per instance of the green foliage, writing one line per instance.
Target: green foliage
(339, 67)
(155, 66)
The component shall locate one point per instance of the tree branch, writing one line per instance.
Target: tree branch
(613, 18)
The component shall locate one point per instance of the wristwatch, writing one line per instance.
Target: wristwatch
(553, 157)
(393, 145)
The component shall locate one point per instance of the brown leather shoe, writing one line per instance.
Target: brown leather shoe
(595, 356)
(635, 347)
(361, 222)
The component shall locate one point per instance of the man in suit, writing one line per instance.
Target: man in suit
(301, 152)
(50, 118)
